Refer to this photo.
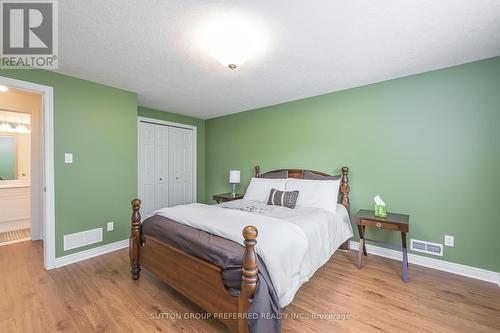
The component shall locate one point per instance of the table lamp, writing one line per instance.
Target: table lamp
(234, 178)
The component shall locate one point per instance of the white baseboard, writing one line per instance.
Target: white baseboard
(87, 254)
(450, 267)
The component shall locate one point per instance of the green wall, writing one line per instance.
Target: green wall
(98, 124)
(429, 144)
(200, 141)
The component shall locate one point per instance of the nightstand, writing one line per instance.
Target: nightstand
(394, 222)
(225, 197)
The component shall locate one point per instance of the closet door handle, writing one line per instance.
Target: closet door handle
(161, 178)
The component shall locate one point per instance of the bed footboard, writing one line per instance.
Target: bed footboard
(249, 275)
(198, 280)
(135, 239)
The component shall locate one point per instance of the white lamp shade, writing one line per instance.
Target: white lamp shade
(234, 176)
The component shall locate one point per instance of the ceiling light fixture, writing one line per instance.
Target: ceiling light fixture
(232, 40)
(3, 88)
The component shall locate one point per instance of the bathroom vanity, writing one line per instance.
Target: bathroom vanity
(15, 205)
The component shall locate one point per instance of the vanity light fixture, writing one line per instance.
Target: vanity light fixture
(5, 127)
(21, 128)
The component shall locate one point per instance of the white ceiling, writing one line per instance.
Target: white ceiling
(312, 47)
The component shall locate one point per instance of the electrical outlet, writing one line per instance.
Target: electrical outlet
(110, 226)
(449, 240)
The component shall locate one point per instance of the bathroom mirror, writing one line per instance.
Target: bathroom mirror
(15, 147)
(8, 170)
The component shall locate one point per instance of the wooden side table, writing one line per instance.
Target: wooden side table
(394, 222)
(225, 197)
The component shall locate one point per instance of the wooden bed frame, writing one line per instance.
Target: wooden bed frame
(201, 281)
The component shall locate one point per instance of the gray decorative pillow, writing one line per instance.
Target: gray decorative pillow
(275, 175)
(313, 176)
(283, 198)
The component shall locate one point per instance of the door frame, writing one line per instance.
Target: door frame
(171, 124)
(48, 198)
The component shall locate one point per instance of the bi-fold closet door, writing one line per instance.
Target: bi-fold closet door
(166, 166)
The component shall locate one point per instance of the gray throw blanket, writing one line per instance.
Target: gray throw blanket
(228, 256)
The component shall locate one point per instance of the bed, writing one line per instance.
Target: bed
(209, 253)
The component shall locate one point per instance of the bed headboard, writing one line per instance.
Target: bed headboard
(299, 174)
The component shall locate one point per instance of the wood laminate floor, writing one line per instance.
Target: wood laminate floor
(97, 295)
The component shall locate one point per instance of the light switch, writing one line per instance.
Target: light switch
(68, 158)
(449, 240)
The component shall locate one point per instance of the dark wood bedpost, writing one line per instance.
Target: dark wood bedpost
(257, 171)
(135, 239)
(344, 189)
(249, 275)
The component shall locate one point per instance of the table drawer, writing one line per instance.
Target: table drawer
(381, 225)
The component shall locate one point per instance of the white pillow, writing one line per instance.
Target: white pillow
(315, 193)
(259, 188)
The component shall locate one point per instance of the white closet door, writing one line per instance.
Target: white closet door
(162, 148)
(147, 167)
(166, 166)
(180, 166)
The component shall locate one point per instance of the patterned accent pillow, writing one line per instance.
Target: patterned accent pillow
(283, 198)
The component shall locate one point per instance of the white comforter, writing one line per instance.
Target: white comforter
(293, 243)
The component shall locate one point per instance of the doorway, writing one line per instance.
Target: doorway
(27, 167)
(17, 160)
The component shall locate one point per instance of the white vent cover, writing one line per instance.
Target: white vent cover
(426, 247)
(72, 241)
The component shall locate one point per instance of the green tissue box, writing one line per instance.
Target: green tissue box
(380, 211)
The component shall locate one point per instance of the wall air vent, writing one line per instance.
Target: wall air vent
(72, 241)
(426, 247)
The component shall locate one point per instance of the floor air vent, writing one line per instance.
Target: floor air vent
(426, 247)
